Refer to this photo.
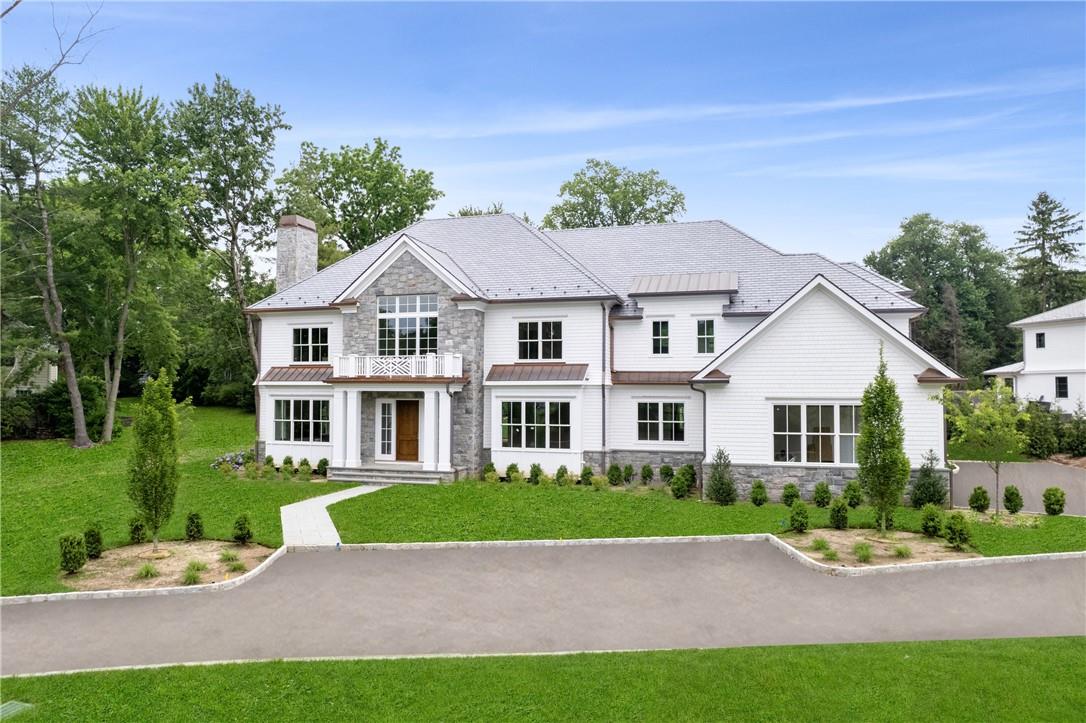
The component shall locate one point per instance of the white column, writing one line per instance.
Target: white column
(444, 426)
(429, 439)
(354, 430)
(339, 429)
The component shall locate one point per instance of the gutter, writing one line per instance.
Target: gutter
(704, 433)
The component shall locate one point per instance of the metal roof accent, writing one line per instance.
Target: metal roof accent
(704, 282)
(398, 379)
(298, 373)
(934, 376)
(538, 372)
(665, 377)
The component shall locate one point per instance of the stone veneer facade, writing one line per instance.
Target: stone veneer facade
(638, 458)
(804, 477)
(459, 331)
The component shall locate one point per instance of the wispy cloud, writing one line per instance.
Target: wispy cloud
(554, 121)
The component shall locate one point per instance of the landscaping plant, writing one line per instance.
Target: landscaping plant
(929, 487)
(1012, 499)
(197, 566)
(322, 467)
(1054, 500)
(305, 471)
(799, 520)
(190, 577)
(822, 494)
(721, 488)
(146, 571)
(228, 556)
(853, 494)
(288, 466)
(666, 474)
(1042, 431)
(862, 551)
(511, 471)
(956, 531)
(646, 474)
(614, 475)
(880, 448)
(242, 531)
(92, 540)
(682, 484)
(586, 476)
(820, 544)
(758, 495)
(830, 555)
(194, 527)
(269, 462)
(137, 531)
(903, 551)
(561, 477)
(839, 514)
(73, 553)
(535, 473)
(152, 472)
(988, 421)
(1073, 436)
(931, 520)
(627, 474)
(789, 494)
(978, 500)
(236, 566)
(488, 468)
(491, 477)
(252, 471)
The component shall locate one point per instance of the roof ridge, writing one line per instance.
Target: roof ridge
(870, 270)
(564, 253)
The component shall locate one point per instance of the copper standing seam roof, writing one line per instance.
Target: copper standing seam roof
(298, 373)
(704, 282)
(398, 379)
(934, 376)
(538, 372)
(665, 377)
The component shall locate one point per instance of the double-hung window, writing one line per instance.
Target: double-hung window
(1061, 387)
(310, 344)
(660, 337)
(661, 421)
(535, 425)
(706, 336)
(407, 325)
(815, 433)
(302, 420)
(539, 340)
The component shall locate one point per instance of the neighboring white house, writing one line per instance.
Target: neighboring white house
(465, 340)
(1053, 368)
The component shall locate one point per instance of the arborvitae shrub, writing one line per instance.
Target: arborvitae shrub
(489, 467)
(73, 553)
(92, 540)
(627, 474)
(614, 475)
(978, 500)
(931, 520)
(853, 494)
(586, 476)
(758, 494)
(305, 471)
(1054, 500)
(929, 487)
(822, 494)
(269, 461)
(535, 474)
(561, 477)
(288, 466)
(646, 474)
(137, 531)
(683, 482)
(957, 531)
(789, 494)
(194, 527)
(242, 531)
(1042, 432)
(839, 514)
(1012, 499)
(799, 520)
(666, 474)
(721, 488)
(322, 467)
(512, 469)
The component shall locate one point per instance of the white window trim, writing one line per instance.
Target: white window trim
(311, 328)
(391, 457)
(802, 403)
(547, 425)
(698, 337)
(538, 323)
(654, 443)
(653, 337)
(417, 315)
(312, 421)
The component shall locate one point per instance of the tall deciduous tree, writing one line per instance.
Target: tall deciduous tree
(359, 195)
(34, 127)
(1045, 254)
(152, 470)
(988, 421)
(603, 194)
(880, 449)
(967, 321)
(227, 140)
(120, 148)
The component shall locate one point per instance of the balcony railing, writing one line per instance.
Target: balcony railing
(424, 365)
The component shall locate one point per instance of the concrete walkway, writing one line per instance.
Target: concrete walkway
(1031, 479)
(543, 599)
(307, 522)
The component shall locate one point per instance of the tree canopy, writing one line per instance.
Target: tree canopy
(1045, 255)
(603, 194)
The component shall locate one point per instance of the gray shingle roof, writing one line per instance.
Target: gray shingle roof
(1068, 312)
(501, 258)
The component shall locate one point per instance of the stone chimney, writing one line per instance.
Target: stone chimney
(295, 251)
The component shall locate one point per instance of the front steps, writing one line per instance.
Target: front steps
(387, 475)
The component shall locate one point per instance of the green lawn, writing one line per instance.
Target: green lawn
(49, 489)
(990, 680)
(470, 511)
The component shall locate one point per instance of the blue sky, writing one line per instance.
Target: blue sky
(814, 127)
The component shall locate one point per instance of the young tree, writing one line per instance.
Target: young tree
(227, 141)
(121, 150)
(721, 488)
(880, 449)
(359, 195)
(152, 471)
(34, 127)
(603, 194)
(987, 421)
(1045, 253)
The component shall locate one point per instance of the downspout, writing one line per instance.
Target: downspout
(603, 385)
(704, 434)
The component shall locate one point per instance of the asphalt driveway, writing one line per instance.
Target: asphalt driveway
(542, 599)
(1031, 479)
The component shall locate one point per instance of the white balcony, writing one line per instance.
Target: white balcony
(425, 365)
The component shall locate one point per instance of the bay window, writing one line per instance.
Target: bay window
(407, 325)
(302, 420)
(535, 425)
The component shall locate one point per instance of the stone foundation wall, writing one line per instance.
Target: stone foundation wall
(640, 457)
(777, 476)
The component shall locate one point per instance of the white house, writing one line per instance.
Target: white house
(1053, 368)
(464, 340)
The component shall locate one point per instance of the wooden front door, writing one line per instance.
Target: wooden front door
(407, 430)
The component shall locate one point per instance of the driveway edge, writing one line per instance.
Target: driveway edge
(147, 592)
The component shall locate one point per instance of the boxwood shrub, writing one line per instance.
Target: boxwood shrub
(799, 520)
(73, 553)
(978, 500)
(789, 494)
(1012, 499)
(853, 494)
(931, 520)
(758, 495)
(822, 494)
(194, 527)
(92, 540)
(839, 514)
(1054, 500)
(957, 531)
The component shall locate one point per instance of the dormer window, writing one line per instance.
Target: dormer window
(310, 344)
(539, 340)
(407, 325)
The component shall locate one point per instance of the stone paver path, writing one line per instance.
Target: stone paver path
(307, 522)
